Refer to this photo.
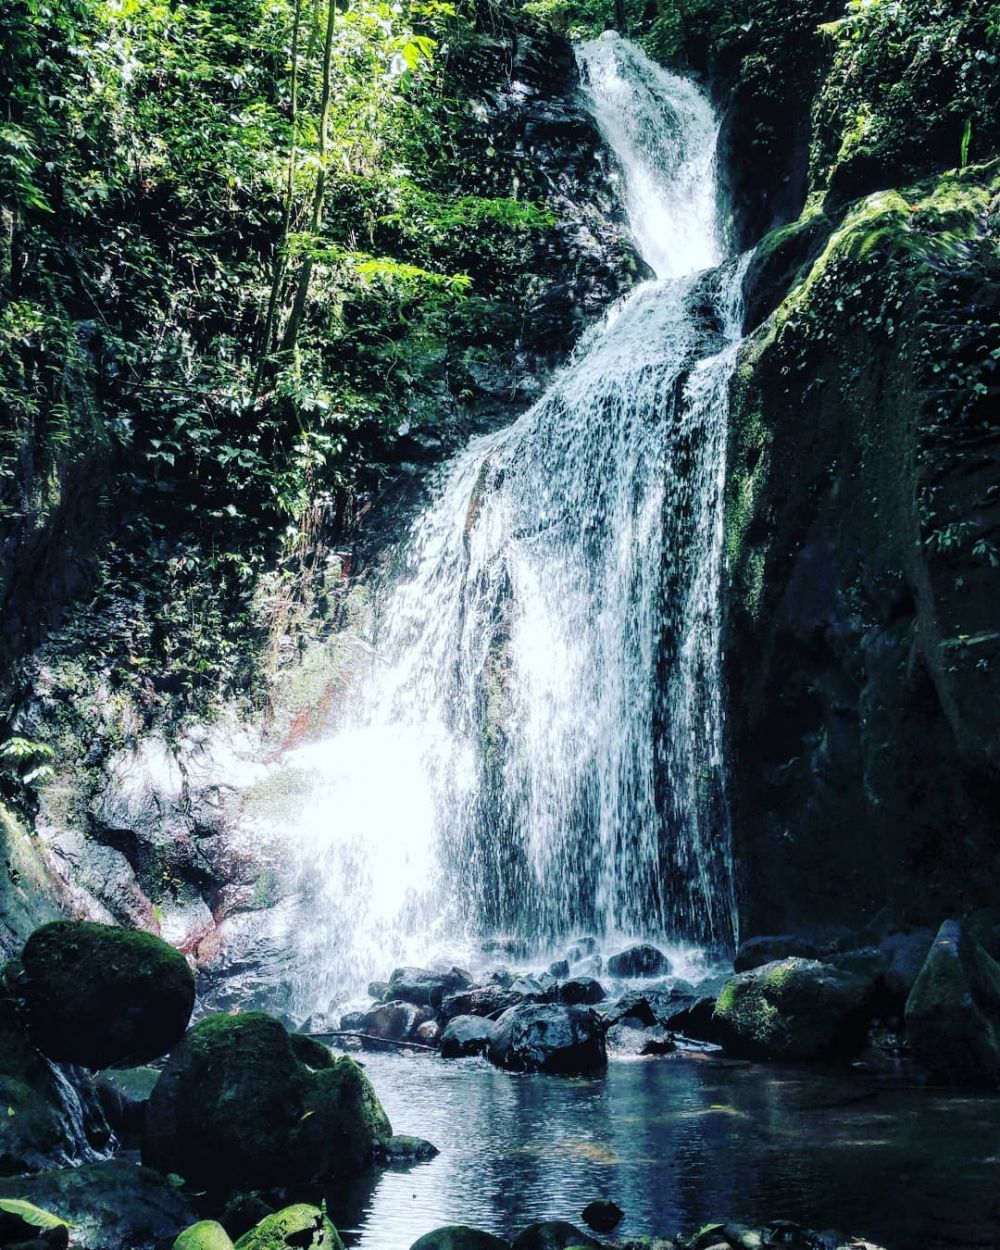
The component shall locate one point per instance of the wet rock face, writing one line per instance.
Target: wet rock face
(53, 1115)
(99, 996)
(639, 961)
(544, 1037)
(953, 1011)
(236, 1108)
(459, 1237)
(861, 489)
(466, 1035)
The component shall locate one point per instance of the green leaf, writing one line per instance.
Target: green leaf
(32, 1215)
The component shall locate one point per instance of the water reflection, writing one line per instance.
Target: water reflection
(677, 1142)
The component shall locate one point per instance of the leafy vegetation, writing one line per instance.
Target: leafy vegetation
(238, 236)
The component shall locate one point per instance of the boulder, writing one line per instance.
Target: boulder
(484, 1000)
(642, 960)
(424, 987)
(112, 1205)
(301, 1226)
(548, 1037)
(906, 953)
(757, 951)
(54, 1116)
(403, 1150)
(583, 990)
(602, 1216)
(953, 1011)
(553, 1235)
(695, 1020)
(428, 1033)
(99, 996)
(459, 1237)
(235, 1108)
(205, 1235)
(794, 1009)
(394, 1021)
(466, 1035)
(631, 1037)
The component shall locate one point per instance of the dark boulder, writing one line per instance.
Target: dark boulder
(631, 1037)
(113, 1205)
(794, 1009)
(953, 1012)
(906, 953)
(548, 1037)
(394, 1021)
(459, 1237)
(484, 1000)
(755, 952)
(639, 961)
(235, 1108)
(466, 1035)
(99, 996)
(695, 1020)
(402, 1150)
(428, 1033)
(553, 1235)
(424, 987)
(602, 1216)
(584, 990)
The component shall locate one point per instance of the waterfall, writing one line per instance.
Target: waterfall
(537, 749)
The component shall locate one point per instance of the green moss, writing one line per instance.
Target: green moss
(205, 1235)
(302, 1226)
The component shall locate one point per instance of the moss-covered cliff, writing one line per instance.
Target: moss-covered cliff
(864, 493)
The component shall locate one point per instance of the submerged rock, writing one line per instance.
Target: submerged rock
(553, 1235)
(602, 1216)
(99, 995)
(794, 1009)
(642, 960)
(548, 1037)
(459, 1237)
(113, 1205)
(953, 1012)
(301, 1226)
(402, 1149)
(235, 1108)
(466, 1035)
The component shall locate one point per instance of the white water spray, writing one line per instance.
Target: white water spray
(538, 747)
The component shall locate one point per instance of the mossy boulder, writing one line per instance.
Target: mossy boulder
(459, 1237)
(301, 1227)
(236, 1108)
(205, 1235)
(953, 1012)
(794, 1009)
(99, 995)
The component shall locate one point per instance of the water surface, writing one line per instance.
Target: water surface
(678, 1142)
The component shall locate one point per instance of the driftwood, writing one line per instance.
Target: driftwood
(370, 1037)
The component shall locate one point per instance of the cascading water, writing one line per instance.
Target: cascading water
(538, 747)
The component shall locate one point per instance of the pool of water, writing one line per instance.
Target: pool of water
(678, 1141)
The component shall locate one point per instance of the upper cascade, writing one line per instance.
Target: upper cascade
(537, 747)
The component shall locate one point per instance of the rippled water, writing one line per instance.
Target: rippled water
(677, 1142)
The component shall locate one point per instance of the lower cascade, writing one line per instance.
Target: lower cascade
(537, 749)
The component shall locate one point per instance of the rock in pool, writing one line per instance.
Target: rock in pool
(466, 1035)
(301, 1226)
(548, 1037)
(459, 1237)
(639, 961)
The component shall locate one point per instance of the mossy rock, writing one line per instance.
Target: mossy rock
(205, 1235)
(235, 1108)
(459, 1237)
(554, 1235)
(99, 995)
(301, 1226)
(953, 1011)
(794, 1009)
